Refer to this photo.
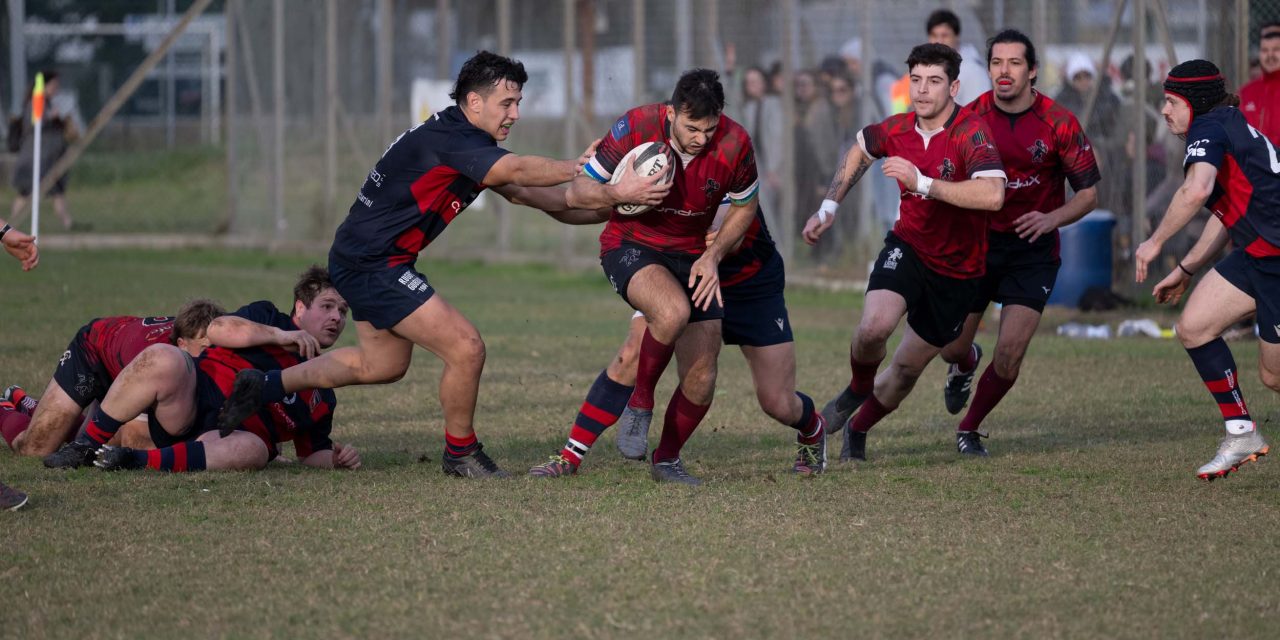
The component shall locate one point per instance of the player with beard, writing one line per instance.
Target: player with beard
(950, 178)
(1042, 147)
(1232, 169)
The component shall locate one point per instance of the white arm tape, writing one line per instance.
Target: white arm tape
(923, 183)
(827, 210)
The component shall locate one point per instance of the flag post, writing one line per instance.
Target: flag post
(37, 115)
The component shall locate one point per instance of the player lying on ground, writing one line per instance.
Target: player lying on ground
(96, 355)
(184, 395)
(1042, 147)
(1233, 169)
(950, 178)
(424, 180)
(659, 262)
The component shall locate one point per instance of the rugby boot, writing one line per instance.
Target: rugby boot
(811, 459)
(11, 499)
(969, 443)
(855, 445)
(955, 394)
(1234, 451)
(838, 411)
(672, 471)
(557, 467)
(633, 433)
(476, 465)
(245, 399)
(116, 459)
(72, 455)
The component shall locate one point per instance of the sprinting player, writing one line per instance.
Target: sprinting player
(1041, 146)
(949, 176)
(423, 181)
(94, 358)
(660, 264)
(1231, 168)
(184, 395)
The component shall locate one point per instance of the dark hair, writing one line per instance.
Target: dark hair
(194, 317)
(310, 283)
(936, 54)
(833, 65)
(698, 94)
(1274, 24)
(1013, 36)
(481, 72)
(942, 16)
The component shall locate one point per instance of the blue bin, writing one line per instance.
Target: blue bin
(1086, 257)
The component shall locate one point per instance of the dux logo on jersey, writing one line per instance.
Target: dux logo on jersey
(891, 260)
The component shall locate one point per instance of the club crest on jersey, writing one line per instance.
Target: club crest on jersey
(620, 128)
(711, 187)
(946, 170)
(891, 260)
(1038, 151)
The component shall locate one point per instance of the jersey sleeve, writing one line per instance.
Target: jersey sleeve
(874, 139)
(746, 180)
(612, 148)
(474, 159)
(1206, 142)
(981, 159)
(1076, 153)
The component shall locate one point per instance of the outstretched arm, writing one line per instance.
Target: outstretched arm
(20, 246)
(980, 192)
(553, 202)
(234, 332)
(1211, 242)
(1190, 197)
(850, 170)
(1033, 224)
(530, 171)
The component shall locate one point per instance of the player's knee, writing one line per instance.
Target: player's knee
(955, 352)
(667, 323)
(1008, 362)
(246, 453)
(472, 352)
(872, 334)
(1270, 377)
(778, 405)
(1192, 334)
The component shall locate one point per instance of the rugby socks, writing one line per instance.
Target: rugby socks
(991, 389)
(12, 422)
(970, 361)
(868, 414)
(272, 387)
(23, 401)
(809, 426)
(654, 358)
(864, 376)
(604, 404)
(682, 418)
(181, 457)
(101, 428)
(1217, 367)
(460, 447)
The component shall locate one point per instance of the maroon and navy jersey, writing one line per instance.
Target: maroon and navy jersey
(116, 341)
(1039, 147)
(950, 240)
(741, 272)
(1246, 195)
(305, 417)
(422, 182)
(726, 167)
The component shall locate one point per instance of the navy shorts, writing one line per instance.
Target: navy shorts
(936, 304)
(80, 372)
(1018, 272)
(622, 264)
(209, 400)
(1260, 278)
(382, 298)
(755, 311)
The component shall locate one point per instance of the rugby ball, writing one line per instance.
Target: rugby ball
(646, 159)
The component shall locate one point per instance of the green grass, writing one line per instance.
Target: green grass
(1086, 522)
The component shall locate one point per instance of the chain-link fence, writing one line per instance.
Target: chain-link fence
(267, 114)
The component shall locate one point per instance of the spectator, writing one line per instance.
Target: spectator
(846, 121)
(1260, 98)
(814, 152)
(57, 130)
(1081, 76)
(761, 113)
(943, 27)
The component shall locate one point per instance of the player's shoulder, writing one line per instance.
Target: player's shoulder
(898, 123)
(1053, 113)
(968, 123)
(1215, 123)
(644, 121)
(731, 137)
(264, 312)
(983, 104)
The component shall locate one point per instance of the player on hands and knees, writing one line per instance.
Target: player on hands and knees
(1042, 147)
(423, 181)
(1232, 169)
(659, 262)
(950, 178)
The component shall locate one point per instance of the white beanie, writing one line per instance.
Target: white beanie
(1077, 63)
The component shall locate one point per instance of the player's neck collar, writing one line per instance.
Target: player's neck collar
(955, 113)
(1035, 97)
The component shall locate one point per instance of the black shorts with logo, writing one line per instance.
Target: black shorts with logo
(755, 310)
(80, 372)
(1018, 272)
(384, 297)
(1260, 278)
(936, 304)
(622, 264)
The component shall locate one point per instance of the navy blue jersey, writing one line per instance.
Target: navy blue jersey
(422, 182)
(1246, 195)
(305, 418)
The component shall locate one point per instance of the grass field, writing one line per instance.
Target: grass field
(1086, 522)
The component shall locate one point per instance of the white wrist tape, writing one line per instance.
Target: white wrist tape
(923, 183)
(827, 210)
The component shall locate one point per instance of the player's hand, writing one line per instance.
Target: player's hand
(345, 456)
(1032, 225)
(704, 279)
(816, 226)
(1147, 252)
(1170, 290)
(633, 188)
(902, 170)
(23, 247)
(586, 157)
(300, 341)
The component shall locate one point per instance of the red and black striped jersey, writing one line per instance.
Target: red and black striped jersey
(950, 240)
(304, 418)
(424, 180)
(117, 340)
(1040, 148)
(1246, 194)
(726, 167)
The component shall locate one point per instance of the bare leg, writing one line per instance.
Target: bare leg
(54, 422)
(239, 451)
(60, 210)
(773, 370)
(909, 361)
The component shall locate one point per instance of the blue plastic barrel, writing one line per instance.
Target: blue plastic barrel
(1086, 257)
